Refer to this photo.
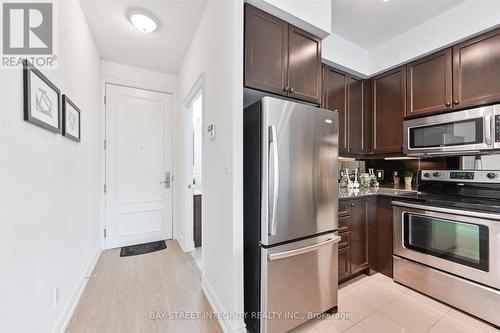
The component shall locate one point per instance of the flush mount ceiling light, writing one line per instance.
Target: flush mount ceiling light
(143, 21)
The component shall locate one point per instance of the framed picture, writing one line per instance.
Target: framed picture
(42, 105)
(71, 119)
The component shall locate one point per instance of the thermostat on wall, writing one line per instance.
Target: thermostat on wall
(211, 132)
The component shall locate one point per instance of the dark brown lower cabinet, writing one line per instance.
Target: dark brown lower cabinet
(344, 263)
(353, 232)
(197, 220)
(359, 236)
(365, 230)
(384, 223)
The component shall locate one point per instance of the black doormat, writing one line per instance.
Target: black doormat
(135, 250)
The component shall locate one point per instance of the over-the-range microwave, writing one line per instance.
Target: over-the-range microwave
(466, 132)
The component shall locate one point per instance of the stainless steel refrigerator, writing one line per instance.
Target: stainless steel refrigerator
(290, 214)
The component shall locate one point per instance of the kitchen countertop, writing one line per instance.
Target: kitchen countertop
(390, 191)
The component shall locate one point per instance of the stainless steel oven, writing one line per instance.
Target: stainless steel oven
(463, 243)
(471, 131)
(449, 254)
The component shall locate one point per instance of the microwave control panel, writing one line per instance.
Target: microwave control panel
(497, 128)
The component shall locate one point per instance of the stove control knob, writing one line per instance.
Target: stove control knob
(491, 175)
(427, 175)
(436, 174)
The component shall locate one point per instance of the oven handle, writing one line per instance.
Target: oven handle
(487, 216)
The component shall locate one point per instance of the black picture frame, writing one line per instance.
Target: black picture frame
(28, 70)
(65, 102)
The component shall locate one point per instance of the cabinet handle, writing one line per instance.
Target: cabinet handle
(286, 89)
(448, 104)
(456, 102)
(292, 91)
(353, 204)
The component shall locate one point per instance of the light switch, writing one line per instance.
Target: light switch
(211, 132)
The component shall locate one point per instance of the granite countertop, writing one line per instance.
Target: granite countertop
(391, 191)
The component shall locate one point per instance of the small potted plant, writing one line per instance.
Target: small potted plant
(408, 175)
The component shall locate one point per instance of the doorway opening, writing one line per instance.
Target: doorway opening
(197, 126)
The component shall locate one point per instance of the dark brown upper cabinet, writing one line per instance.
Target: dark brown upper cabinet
(304, 65)
(335, 98)
(429, 84)
(389, 107)
(476, 70)
(347, 95)
(266, 51)
(356, 116)
(280, 58)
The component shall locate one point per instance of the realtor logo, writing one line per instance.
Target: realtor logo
(29, 31)
(27, 28)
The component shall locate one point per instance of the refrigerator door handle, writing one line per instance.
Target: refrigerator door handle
(273, 140)
(302, 250)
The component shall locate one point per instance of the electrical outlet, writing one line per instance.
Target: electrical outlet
(55, 296)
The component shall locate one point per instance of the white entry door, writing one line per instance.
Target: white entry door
(138, 166)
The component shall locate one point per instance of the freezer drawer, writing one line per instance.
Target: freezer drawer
(298, 280)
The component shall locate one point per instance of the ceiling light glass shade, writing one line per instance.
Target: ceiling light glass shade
(143, 22)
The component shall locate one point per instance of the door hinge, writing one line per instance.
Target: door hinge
(105, 188)
(104, 99)
(105, 233)
(104, 144)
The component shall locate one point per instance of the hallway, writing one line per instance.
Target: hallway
(137, 294)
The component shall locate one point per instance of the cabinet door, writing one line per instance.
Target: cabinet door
(266, 51)
(429, 84)
(335, 98)
(344, 263)
(356, 116)
(389, 105)
(384, 219)
(359, 236)
(304, 65)
(476, 70)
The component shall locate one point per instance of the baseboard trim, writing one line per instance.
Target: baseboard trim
(227, 325)
(69, 309)
(185, 248)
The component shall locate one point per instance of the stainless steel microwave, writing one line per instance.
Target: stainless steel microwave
(466, 132)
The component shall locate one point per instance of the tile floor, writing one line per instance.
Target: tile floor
(376, 304)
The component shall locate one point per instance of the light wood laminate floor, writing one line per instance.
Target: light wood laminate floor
(124, 294)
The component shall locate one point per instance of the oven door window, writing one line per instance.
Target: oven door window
(457, 133)
(463, 243)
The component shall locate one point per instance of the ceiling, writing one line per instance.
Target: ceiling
(119, 41)
(370, 23)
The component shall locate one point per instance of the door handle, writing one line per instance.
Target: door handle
(302, 250)
(273, 140)
(167, 180)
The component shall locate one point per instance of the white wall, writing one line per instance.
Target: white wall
(458, 23)
(314, 16)
(134, 76)
(51, 190)
(469, 18)
(216, 54)
(342, 53)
